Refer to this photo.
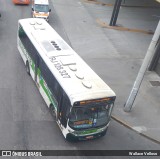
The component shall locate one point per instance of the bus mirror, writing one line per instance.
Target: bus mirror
(49, 10)
(32, 9)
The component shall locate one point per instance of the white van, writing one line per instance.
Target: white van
(40, 9)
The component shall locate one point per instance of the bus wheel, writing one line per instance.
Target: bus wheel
(27, 68)
(53, 113)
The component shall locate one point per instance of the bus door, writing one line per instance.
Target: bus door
(64, 110)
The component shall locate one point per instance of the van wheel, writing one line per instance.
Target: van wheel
(27, 68)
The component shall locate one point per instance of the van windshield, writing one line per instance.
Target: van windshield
(41, 8)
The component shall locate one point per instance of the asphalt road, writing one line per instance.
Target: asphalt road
(25, 121)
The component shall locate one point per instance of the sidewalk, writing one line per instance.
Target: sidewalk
(116, 56)
(144, 117)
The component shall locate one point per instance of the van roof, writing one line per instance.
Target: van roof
(41, 2)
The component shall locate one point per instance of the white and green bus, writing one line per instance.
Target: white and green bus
(78, 98)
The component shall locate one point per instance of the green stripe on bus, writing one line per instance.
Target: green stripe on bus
(88, 131)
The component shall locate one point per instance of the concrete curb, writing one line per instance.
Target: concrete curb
(122, 5)
(99, 3)
(105, 25)
(131, 128)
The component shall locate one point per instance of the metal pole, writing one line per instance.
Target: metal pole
(146, 61)
(115, 12)
(155, 58)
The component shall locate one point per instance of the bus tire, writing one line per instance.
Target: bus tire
(104, 133)
(27, 68)
(70, 139)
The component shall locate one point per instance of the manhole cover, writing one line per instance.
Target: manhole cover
(155, 83)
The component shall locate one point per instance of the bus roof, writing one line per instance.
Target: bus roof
(80, 82)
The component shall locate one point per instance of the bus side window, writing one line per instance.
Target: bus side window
(28, 44)
(54, 86)
(51, 81)
(44, 71)
(22, 35)
(21, 32)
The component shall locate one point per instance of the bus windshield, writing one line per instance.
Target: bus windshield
(41, 8)
(89, 116)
